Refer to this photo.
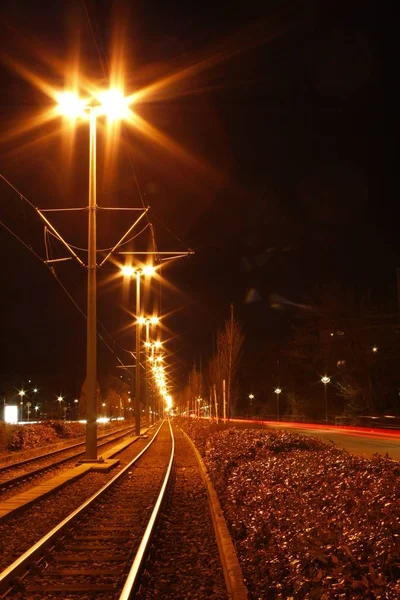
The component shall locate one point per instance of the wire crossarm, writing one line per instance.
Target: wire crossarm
(59, 237)
(145, 210)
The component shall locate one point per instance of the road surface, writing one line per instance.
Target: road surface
(357, 440)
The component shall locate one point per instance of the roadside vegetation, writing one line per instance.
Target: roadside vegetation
(308, 520)
(14, 438)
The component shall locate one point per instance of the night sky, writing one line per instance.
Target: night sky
(281, 185)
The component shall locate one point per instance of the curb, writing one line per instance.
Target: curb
(230, 564)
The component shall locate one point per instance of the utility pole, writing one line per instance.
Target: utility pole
(91, 327)
(138, 336)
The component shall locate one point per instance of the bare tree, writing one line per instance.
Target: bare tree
(229, 346)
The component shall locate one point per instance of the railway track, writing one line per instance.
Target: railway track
(13, 474)
(148, 533)
(89, 553)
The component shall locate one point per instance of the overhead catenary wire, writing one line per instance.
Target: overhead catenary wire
(102, 59)
(46, 262)
(104, 249)
(172, 233)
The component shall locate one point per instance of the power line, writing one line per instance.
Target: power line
(51, 268)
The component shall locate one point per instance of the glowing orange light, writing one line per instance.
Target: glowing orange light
(148, 270)
(127, 271)
(113, 104)
(70, 105)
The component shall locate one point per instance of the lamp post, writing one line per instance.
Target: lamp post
(91, 323)
(60, 399)
(76, 408)
(325, 380)
(149, 321)
(128, 271)
(112, 104)
(21, 394)
(251, 398)
(277, 392)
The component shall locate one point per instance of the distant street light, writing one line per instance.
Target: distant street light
(76, 408)
(154, 320)
(374, 349)
(277, 392)
(129, 271)
(60, 399)
(325, 380)
(22, 393)
(251, 398)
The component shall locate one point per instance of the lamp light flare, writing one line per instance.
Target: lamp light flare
(325, 379)
(70, 105)
(114, 104)
(278, 390)
(168, 402)
(148, 270)
(127, 271)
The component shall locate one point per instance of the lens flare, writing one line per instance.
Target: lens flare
(113, 104)
(70, 105)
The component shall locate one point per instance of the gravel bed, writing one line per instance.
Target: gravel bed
(184, 562)
(112, 526)
(309, 521)
(20, 531)
(31, 478)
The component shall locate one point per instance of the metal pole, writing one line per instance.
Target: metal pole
(224, 399)
(138, 327)
(146, 354)
(326, 402)
(277, 405)
(91, 345)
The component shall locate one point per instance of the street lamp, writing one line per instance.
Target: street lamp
(76, 408)
(277, 392)
(21, 394)
(154, 320)
(60, 399)
(112, 104)
(251, 398)
(325, 380)
(129, 271)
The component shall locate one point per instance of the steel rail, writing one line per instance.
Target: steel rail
(19, 566)
(103, 438)
(17, 479)
(133, 575)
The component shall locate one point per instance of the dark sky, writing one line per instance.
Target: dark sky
(281, 184)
